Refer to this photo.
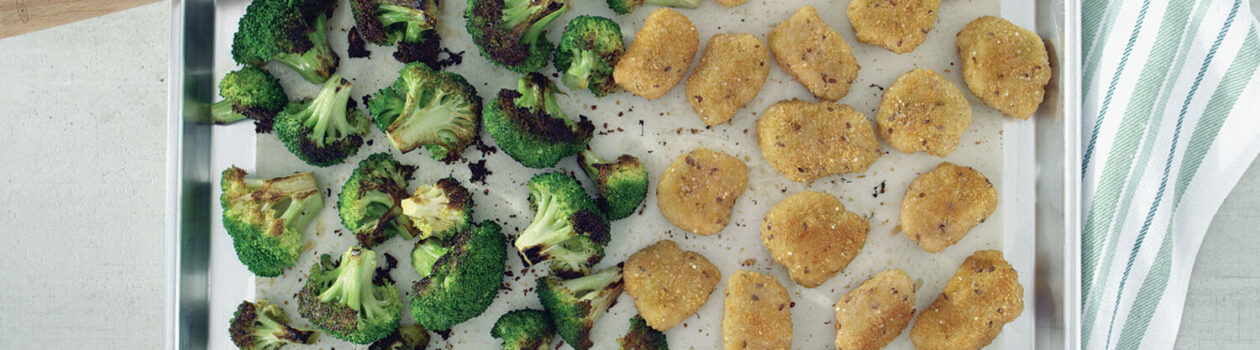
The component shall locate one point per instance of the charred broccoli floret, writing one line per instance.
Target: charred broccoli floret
(324, 131)
(263, 326)
(589, 49)
(266, 217)
(346, 300)
(387, 22)
(524, 329)
(370, 203)
(577, 303)
(510, 33)
(289, 32)
(251, 93)
(622, 184)
(627, 6)
(642, 337)
(567, 229)
(441, 210)
(464, 280)
(435, 109)
(528, 124)
(409, 337)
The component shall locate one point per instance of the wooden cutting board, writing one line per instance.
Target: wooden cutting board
(24, 16)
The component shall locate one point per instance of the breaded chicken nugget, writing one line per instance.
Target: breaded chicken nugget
(940, 207)
(873, 314)
(659, 56)
(669, 285)
(756, 313)
(923, 111)
(813, 236)
(983, 296)
(896, 25)
(730, 3)
(814, 54)
(698, 190)
(730, 73)
(805, 141)
(1006, 66)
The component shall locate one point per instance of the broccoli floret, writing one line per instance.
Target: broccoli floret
(440, 210)
(251, 93)
(346, 301)
(436, 109)
(626, 6)
(589, 49)
(266, 217)
(464, 281)
(567, 229)
(524, 329)
(289, 32)
(577, 303)
(370, 203)
(324, 131)
(622, 184)
(642, 337)
(510, 33)
(264, 326)
(528, 124)
(386, 22)
(409, 337)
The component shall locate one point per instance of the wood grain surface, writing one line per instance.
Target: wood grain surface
(24, 16)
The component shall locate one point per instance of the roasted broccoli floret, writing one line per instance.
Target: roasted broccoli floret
(589, 49)
(266, 217)
(627, 6)
(622, 184)
(324, 131)
(642, 337)
(435, 109)
(528, 124)
(251, 93)
(409, 337)
(524, 329)
(370, 203)
(510, 33)
(346, 300)
(289, 32)
(577, 303)
(387, 22)
(568, 229)
(441, 210)
(464, 281)
(263, 326)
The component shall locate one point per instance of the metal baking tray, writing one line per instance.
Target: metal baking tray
(1038, 196)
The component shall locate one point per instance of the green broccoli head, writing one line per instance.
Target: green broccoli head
(289, 32)
(441, 210)
(464, 281)
(622, 184)
(435, 109)
(627, 6)
(528, 124)
(347, 301)
(642, 337)
(266, 217)
(324, 131)
(263, 326)
(387, 22)
(370, 203)
(589, 49)
(567, 229)
(409, 337)
(510, 32)
(576, 304)
(251, 93)
(524, 329)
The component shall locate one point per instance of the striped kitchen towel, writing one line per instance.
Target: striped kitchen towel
(1170, 120)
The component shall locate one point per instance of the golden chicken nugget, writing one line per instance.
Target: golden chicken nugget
(1004, 65)
(874, 314)
(669, 285)
(940, 207)
(899, 26)
(731, 71)
(805, 141)
(756, 313)
(698, 190)
(730, 3)
(813, 236)
(923, 111)
(659, 56)
(984, 295)
(814, 54)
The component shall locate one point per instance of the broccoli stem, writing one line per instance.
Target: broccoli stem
(425, 255)
(589, 287)
(588, 160)
(548, 228)
(318, 63)
(518, 12)
(578, 75)
(417, 21)
(354, 276)
(274, 333)
(326, 115)
(223, 113)
(690, 4)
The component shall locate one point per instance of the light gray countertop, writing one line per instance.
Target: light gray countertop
(84, 109)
